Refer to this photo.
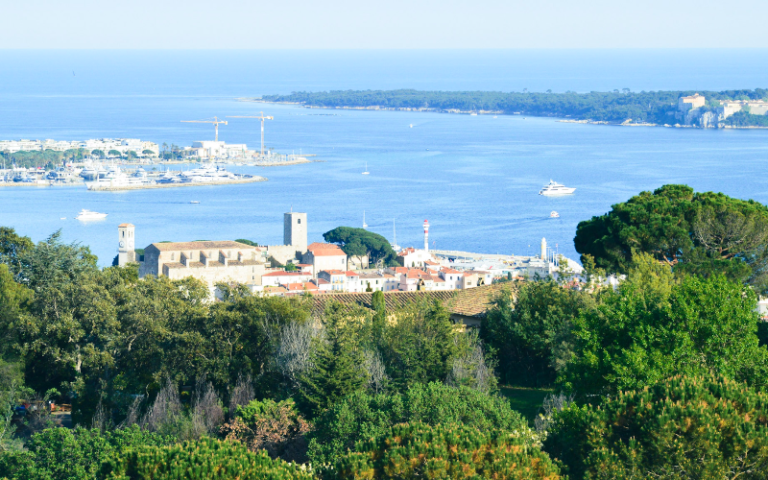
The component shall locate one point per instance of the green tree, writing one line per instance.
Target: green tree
(654, 327)
(420, 346)
(702, 233)
(681, 427)
(379, 320)
(12, 248)
(531, 336)
(415, 451)
(360, 416)
(359, 242)
(338, 364)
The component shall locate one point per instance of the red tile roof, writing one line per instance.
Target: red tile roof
(173, 246)
(325, 249)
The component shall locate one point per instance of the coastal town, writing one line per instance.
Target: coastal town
(297, 267)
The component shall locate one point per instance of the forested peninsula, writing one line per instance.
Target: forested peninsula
(616, 107)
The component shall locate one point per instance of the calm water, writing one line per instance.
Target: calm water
(475, 178)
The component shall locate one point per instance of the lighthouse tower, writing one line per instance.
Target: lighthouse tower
(426, 236)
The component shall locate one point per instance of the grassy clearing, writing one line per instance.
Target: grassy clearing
(527, 401)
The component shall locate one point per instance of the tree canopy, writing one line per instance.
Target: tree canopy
(359, 242)
(656, 326)
(702, 233)
(681, 427)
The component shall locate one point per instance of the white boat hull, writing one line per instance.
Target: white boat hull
(559, 192)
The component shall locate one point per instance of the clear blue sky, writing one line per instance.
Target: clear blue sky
(253, 24)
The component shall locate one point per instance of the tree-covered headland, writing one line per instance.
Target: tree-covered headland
(665, 376)
(659, 107)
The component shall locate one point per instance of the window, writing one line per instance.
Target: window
(173, 256)
(298, 220)
(123, 233)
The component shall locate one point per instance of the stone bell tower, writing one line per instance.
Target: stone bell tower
(127, 244)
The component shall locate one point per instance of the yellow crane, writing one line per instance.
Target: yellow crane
(215, 123)
(262, 118)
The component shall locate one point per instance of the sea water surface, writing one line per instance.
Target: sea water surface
(475, 178)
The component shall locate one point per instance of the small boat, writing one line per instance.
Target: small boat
(90, 215)
(411, 125)
(365, 225)
(472, 114)
(194, 202)
(554, 214)
(366, 172)
(63, 218)
(553, 189)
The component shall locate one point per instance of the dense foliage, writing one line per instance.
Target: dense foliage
(63, 454)
(696, 233)
(657, 107)
(530, 331)
(681, 427)
(205, 459)
(746, 119)
(414, 451)
(359, 242)
(654, 327)
(361, 416)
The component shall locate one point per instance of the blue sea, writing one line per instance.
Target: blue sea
(475, 178)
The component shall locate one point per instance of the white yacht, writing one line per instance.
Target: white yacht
(553, 189)
(90, 215)
(554, 214)
(366, 172)
(207, 174)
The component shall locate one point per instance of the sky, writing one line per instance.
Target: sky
(390, 24)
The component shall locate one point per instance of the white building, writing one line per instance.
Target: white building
(325, 256)
(208, 149)
(281, 277)
(105, 145)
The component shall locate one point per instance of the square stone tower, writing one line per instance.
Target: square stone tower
(127, 244)
(295, 231)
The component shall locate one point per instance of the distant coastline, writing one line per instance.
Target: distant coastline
(619, 108)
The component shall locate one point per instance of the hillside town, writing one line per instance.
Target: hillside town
(297, 267)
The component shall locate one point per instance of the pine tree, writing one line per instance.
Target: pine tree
(380, 317)
(338, 365)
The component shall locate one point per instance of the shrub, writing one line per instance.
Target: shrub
(411, 451)
(204, 459)
(273, 426)
(361, 416)
(61, 453)
(683, 427)
(652, 329)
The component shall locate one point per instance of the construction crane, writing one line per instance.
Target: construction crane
(262, 118)
(215, 123)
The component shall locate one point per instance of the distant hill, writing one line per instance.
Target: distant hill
(619, 107)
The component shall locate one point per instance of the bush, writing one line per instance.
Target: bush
(272, 426)
(532, 334)
(652, 329)
(204, 459)
(361, 416)
(411, 451)
(60, 453)
(683, 427)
